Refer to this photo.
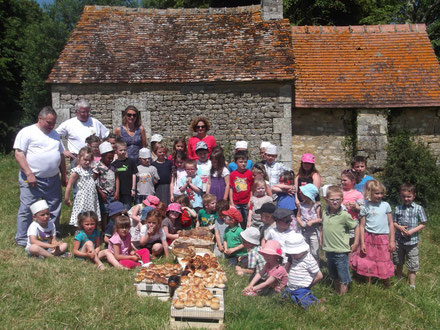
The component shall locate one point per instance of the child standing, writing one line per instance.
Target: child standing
(107, 182)
(241, 146)
(207, 216)
(309, 217)
(191, 184)
(164, 168)
(359, 164)
(218, 182)
(257, 200)
(241, 183)
(178, 172)
(285, 191)
(152, 235)
(303, 271)
(178, 145)
(87, 240)
(220, 226)
(307, 173)
(87, 197)
(232, 245)
(352, 199)
(336, 224)
(376, 236)
(42, 241)
(189, 216)
(120, 252)
(273, 168)
(203, 164)
(251, 241)
(147, 176)
(126, 171)
(409, 219)
(273, 271)
(283, 219)
(171, 224)
(93, 143)
(259, 172)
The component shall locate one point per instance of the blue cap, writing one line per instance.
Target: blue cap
(309, 190)
(115, 207)
(145, 211)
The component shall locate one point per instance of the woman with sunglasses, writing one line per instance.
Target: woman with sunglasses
(132, 132)
(200, 125)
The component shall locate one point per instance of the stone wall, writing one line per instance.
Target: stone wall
(322, 132)
(252, 112)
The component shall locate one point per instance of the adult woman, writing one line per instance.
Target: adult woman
(201, 126)
(307, 173)
(132, 132)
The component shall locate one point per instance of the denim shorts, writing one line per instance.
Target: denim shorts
(337, 264)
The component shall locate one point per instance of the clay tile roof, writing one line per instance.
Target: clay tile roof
(380, 66)
(126, 45)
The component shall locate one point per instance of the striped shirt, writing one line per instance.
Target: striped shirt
(302, 272)
(409, 215)
(255, 260)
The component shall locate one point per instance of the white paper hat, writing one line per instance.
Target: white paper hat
(105, 147)
(39, 206)
(271, 150)
(241, 145)
(144, 153)
(156, 138)
(264, 144)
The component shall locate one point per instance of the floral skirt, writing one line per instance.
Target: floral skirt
(377, 261)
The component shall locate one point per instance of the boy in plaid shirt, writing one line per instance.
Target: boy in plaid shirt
(251, 241)
(409, 219)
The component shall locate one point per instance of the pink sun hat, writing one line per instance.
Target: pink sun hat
(271, 248)
(174, 207)
(308, 158)
(152, 201)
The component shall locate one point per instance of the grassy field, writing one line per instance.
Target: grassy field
(61, 293)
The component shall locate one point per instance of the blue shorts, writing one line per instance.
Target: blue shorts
(337, 264)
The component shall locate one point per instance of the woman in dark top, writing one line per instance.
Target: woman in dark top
(132, 132)
(307, 173)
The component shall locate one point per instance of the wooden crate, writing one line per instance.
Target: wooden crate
(160, 291)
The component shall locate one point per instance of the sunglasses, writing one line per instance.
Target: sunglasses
(200, 126)
(285, 220)
(130, 115)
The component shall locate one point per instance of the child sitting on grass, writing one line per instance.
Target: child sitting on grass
(152, 235)
(189, 216)
(266, 212)
(87, 241)
(208, 216)
(251, 241)
(171, 224)
(273, 271)
(115, 209)
(232, 245)
(303, 271)
(42, 241)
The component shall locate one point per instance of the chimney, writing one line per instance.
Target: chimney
(271, 10)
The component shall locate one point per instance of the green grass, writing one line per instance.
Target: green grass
(60, 293)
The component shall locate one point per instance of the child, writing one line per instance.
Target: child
(93, 143)
(285, 191)
(257, 200)
(303, 271)
(115, 209)
(336, 224)
(275, 273)
(191, 185)
(283, 219)
(86, 197)
(241, 183)
(207, 216)
(263, 146)
(42, 241)
(307, 173)
(376, 236)
(155, 139)
(111, 138)
(220, 226)
(232, 245)
(178, 145)
(87, 239)
(189, 216)
(152, 235)
(273, 168)
(178, 172)
(240, 146)
(218, 182)
(259, 172)
(171, 224)
(352, 199)
(359, 164)
(135, 212)
(107, 182)
(309, 217)
(251, 241)
(409, 219)
(126, 170)
(120, 252)
(164, 168)
(147, 176)
(203, 164)
(266, 212)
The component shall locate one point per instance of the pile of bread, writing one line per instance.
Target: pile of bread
(204, 272)
(184, 252)
(202, 233)
(158, 273)
(199, 262)
(195, 296)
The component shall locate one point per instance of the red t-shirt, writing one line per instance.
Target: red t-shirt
(241, 185)
(208, 139)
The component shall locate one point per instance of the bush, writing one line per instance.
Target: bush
(411, 161)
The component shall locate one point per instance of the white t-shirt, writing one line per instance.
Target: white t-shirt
(302, 272)
(43, 151)
(76, 132)
(160, 235)
(280, 237)
(42, 234)
(225, 172)
(204, 172)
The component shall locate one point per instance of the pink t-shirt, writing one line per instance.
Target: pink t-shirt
(353, 196)
(125, 244)
(280, 274)
(208, 139)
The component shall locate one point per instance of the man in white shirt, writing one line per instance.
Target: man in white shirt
(78, 128)
(39, 153)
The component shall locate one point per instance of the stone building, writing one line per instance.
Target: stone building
(325, 90)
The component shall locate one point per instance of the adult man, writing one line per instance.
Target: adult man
(78, 128)
(39, 153)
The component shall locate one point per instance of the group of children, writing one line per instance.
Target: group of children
(267, 221)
